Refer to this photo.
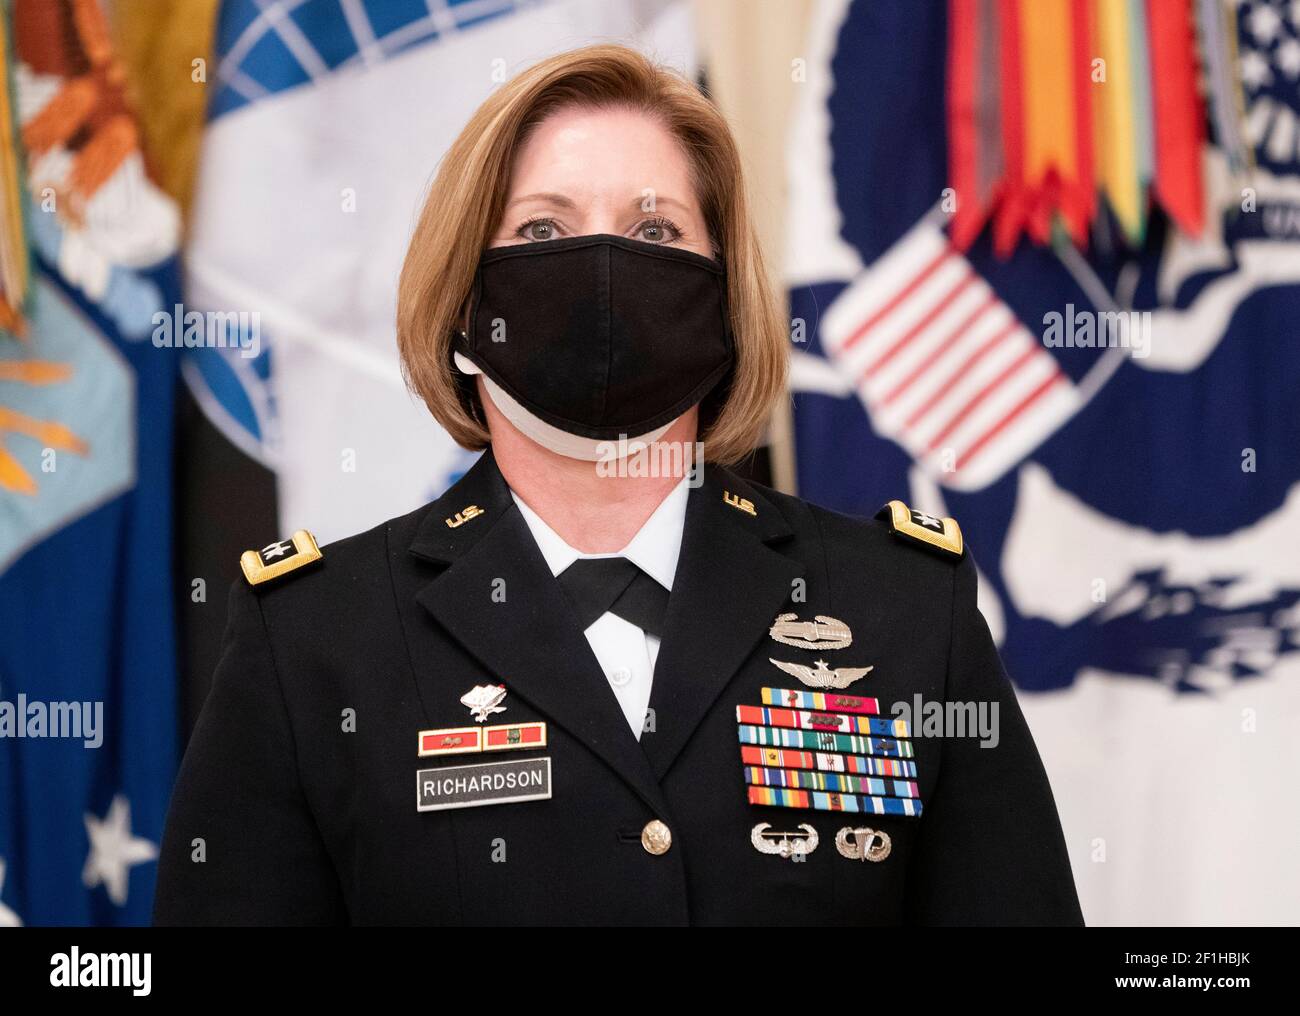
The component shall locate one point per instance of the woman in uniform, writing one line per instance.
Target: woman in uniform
(602, 679)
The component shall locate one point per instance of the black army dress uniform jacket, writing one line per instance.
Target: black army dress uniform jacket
(297, 799)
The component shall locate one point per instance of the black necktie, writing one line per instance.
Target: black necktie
(615, 584)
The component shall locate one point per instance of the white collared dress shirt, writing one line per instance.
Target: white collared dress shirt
(625, 652)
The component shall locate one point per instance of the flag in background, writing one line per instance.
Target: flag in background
(1132, 515)
(86, 404)
(944, 367)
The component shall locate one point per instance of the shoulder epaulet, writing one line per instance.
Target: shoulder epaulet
(278, 559)
(940, 535)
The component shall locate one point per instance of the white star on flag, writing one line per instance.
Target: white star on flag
(8, 919)
(1288, 58)
(1255, 71)
(113, 850)
(1264, 23)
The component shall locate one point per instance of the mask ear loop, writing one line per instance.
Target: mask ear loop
(465, 370)
(461, 365)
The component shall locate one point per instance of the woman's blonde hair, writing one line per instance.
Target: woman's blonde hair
(467, 200)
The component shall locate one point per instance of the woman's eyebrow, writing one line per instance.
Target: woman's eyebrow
(555, 199)
(567, 202)
(659, 199)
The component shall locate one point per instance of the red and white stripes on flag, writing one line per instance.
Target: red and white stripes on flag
(942, 365)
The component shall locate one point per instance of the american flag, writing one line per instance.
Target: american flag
(943, 366)
(1268, 43)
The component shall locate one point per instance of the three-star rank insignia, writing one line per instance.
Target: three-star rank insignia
(941, 535)
(280, 558)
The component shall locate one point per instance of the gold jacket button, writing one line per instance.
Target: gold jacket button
(656, 838)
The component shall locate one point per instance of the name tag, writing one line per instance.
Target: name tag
(486, 783)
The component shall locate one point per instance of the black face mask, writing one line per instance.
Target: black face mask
(600, 336)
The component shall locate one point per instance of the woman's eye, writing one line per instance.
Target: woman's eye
(657, 231)
(538, 229)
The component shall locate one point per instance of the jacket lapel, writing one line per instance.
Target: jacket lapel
(529, 638)
(730, 585)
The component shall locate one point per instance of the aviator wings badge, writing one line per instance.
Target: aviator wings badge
(821, 633)
(822, 676)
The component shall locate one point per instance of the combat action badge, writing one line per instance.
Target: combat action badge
(821, 633)
(278, 559)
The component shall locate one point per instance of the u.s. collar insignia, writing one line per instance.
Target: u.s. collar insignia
(798, 843)
(939, 534)
(471, 511)
(821, 676)
(483, 700)
(278, 559)
(821, 633)
(739, 503)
